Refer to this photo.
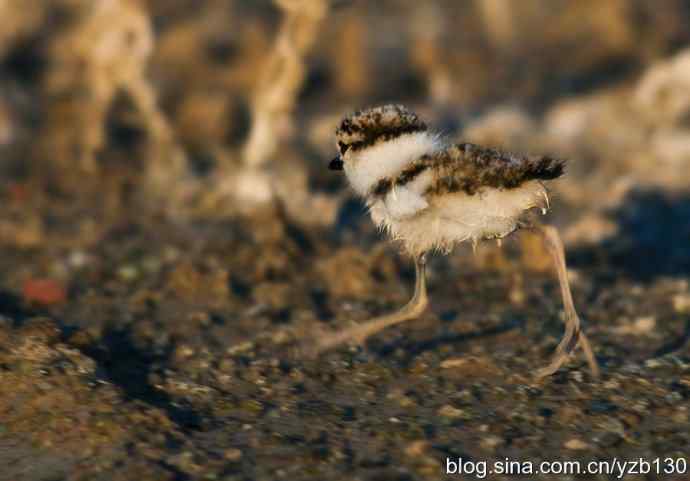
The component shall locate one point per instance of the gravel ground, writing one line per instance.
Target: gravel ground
(173, 358)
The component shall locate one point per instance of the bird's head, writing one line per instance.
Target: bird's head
(379, 142)
(370, 127)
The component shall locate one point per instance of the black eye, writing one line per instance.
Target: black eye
(343, 147)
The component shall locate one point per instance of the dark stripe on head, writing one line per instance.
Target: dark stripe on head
(367, 127)
(376, 135)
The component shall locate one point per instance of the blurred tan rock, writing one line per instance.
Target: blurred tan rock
(663, 93)
(639, 327)
(591, 228)
(503, 127)
(576, 444)
(282, 76)
(681, 302)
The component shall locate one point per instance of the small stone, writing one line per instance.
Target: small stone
(470, 367)
(576, 445)
(612, 384)
(128, 273)
(639, 327)
(78, 259)
(517, 295)
(491, 442)
(452, 363)
(241, 347)
(451, 412)
(653, 363)
(417, 448)
(281, 336)
(232, 454)
(183, 351)
(681, 302)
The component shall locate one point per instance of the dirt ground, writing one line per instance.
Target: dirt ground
(152, 305)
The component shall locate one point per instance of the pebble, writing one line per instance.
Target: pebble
(681, 302)
(653, 363)
(128, 272)
(416, 448)
(232, 454)
(576, 444)
(451, 412)
(241, 347)
(453, 363)
(78, 259)
(640, 326)
(491, 442)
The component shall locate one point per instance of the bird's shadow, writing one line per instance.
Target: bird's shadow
(653, 238)
(413, 348)
(652, 241)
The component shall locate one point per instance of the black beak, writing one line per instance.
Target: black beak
(336, 164)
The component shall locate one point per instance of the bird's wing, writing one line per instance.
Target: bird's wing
(469, 167)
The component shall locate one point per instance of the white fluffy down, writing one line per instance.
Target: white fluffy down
(405, 201)
(386, 159)
(452, 218)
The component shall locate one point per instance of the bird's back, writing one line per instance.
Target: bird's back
(469, 168)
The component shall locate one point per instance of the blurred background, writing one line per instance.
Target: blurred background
(168, 227)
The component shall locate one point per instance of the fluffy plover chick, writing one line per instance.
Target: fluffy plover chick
(431, 195)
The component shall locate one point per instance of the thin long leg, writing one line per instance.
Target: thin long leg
(358, 334)
(573, 334)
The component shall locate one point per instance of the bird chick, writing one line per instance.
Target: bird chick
(431, 195)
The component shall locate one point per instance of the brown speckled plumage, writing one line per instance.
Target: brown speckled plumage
(367, 127)
(468, 167)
